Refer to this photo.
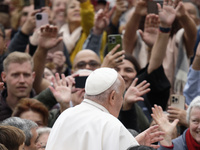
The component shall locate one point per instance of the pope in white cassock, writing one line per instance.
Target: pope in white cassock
(93, 125)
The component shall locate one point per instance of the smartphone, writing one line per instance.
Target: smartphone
(177, 101)
(38, 4)
(113, 40)
(27, 3)
(4, 8)
(80, 81)
(152, 6)
(41, 19)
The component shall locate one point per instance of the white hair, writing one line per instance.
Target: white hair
(194, 104)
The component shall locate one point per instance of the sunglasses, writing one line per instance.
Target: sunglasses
(82, 64)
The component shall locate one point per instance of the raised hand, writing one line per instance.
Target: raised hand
(167, 14)
(181, 12)
(150, 33)
(48, 37)
(134, 93)
(141, 7)
(164, 125)
(113, 58)
(149, 136)
(62, 90)
(102, 19)
(121, 6)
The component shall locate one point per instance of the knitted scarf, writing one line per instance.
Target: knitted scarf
(191, 143)
(70, 40)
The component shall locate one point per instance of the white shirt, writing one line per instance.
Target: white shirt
(89, 126)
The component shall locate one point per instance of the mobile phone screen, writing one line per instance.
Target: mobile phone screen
(80, 81)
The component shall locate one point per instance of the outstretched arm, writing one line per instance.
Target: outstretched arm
(47, 39)
(191, 89)
(195, 64)
(167, 15)
(151, 27)
(121, 7)
(164, 125)
(150, 136)
(190, 30)
(132, 26)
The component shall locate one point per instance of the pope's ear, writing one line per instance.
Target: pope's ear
(112, 97)
(3, 76)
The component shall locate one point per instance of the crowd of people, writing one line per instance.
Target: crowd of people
(62, 87)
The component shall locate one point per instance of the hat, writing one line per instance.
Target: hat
(100, 80)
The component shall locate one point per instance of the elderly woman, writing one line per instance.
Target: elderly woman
(190, 139)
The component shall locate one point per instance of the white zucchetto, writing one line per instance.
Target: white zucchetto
(100, 80)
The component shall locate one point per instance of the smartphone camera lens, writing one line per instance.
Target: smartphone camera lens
(39, 17)
(113, 40)
(174, 100)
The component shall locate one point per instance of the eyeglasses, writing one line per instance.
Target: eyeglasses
(82, 64)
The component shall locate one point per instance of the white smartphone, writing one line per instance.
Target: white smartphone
(41, 19)
(177, 101)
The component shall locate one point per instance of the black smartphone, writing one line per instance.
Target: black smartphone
(80, 81)
(113, 40)
(38, 4)
(152, 6)
(4, 8)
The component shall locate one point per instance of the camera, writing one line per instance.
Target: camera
(174, 99)
(80, 81)
(112, 40)
(177, 100)
(38, 16)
